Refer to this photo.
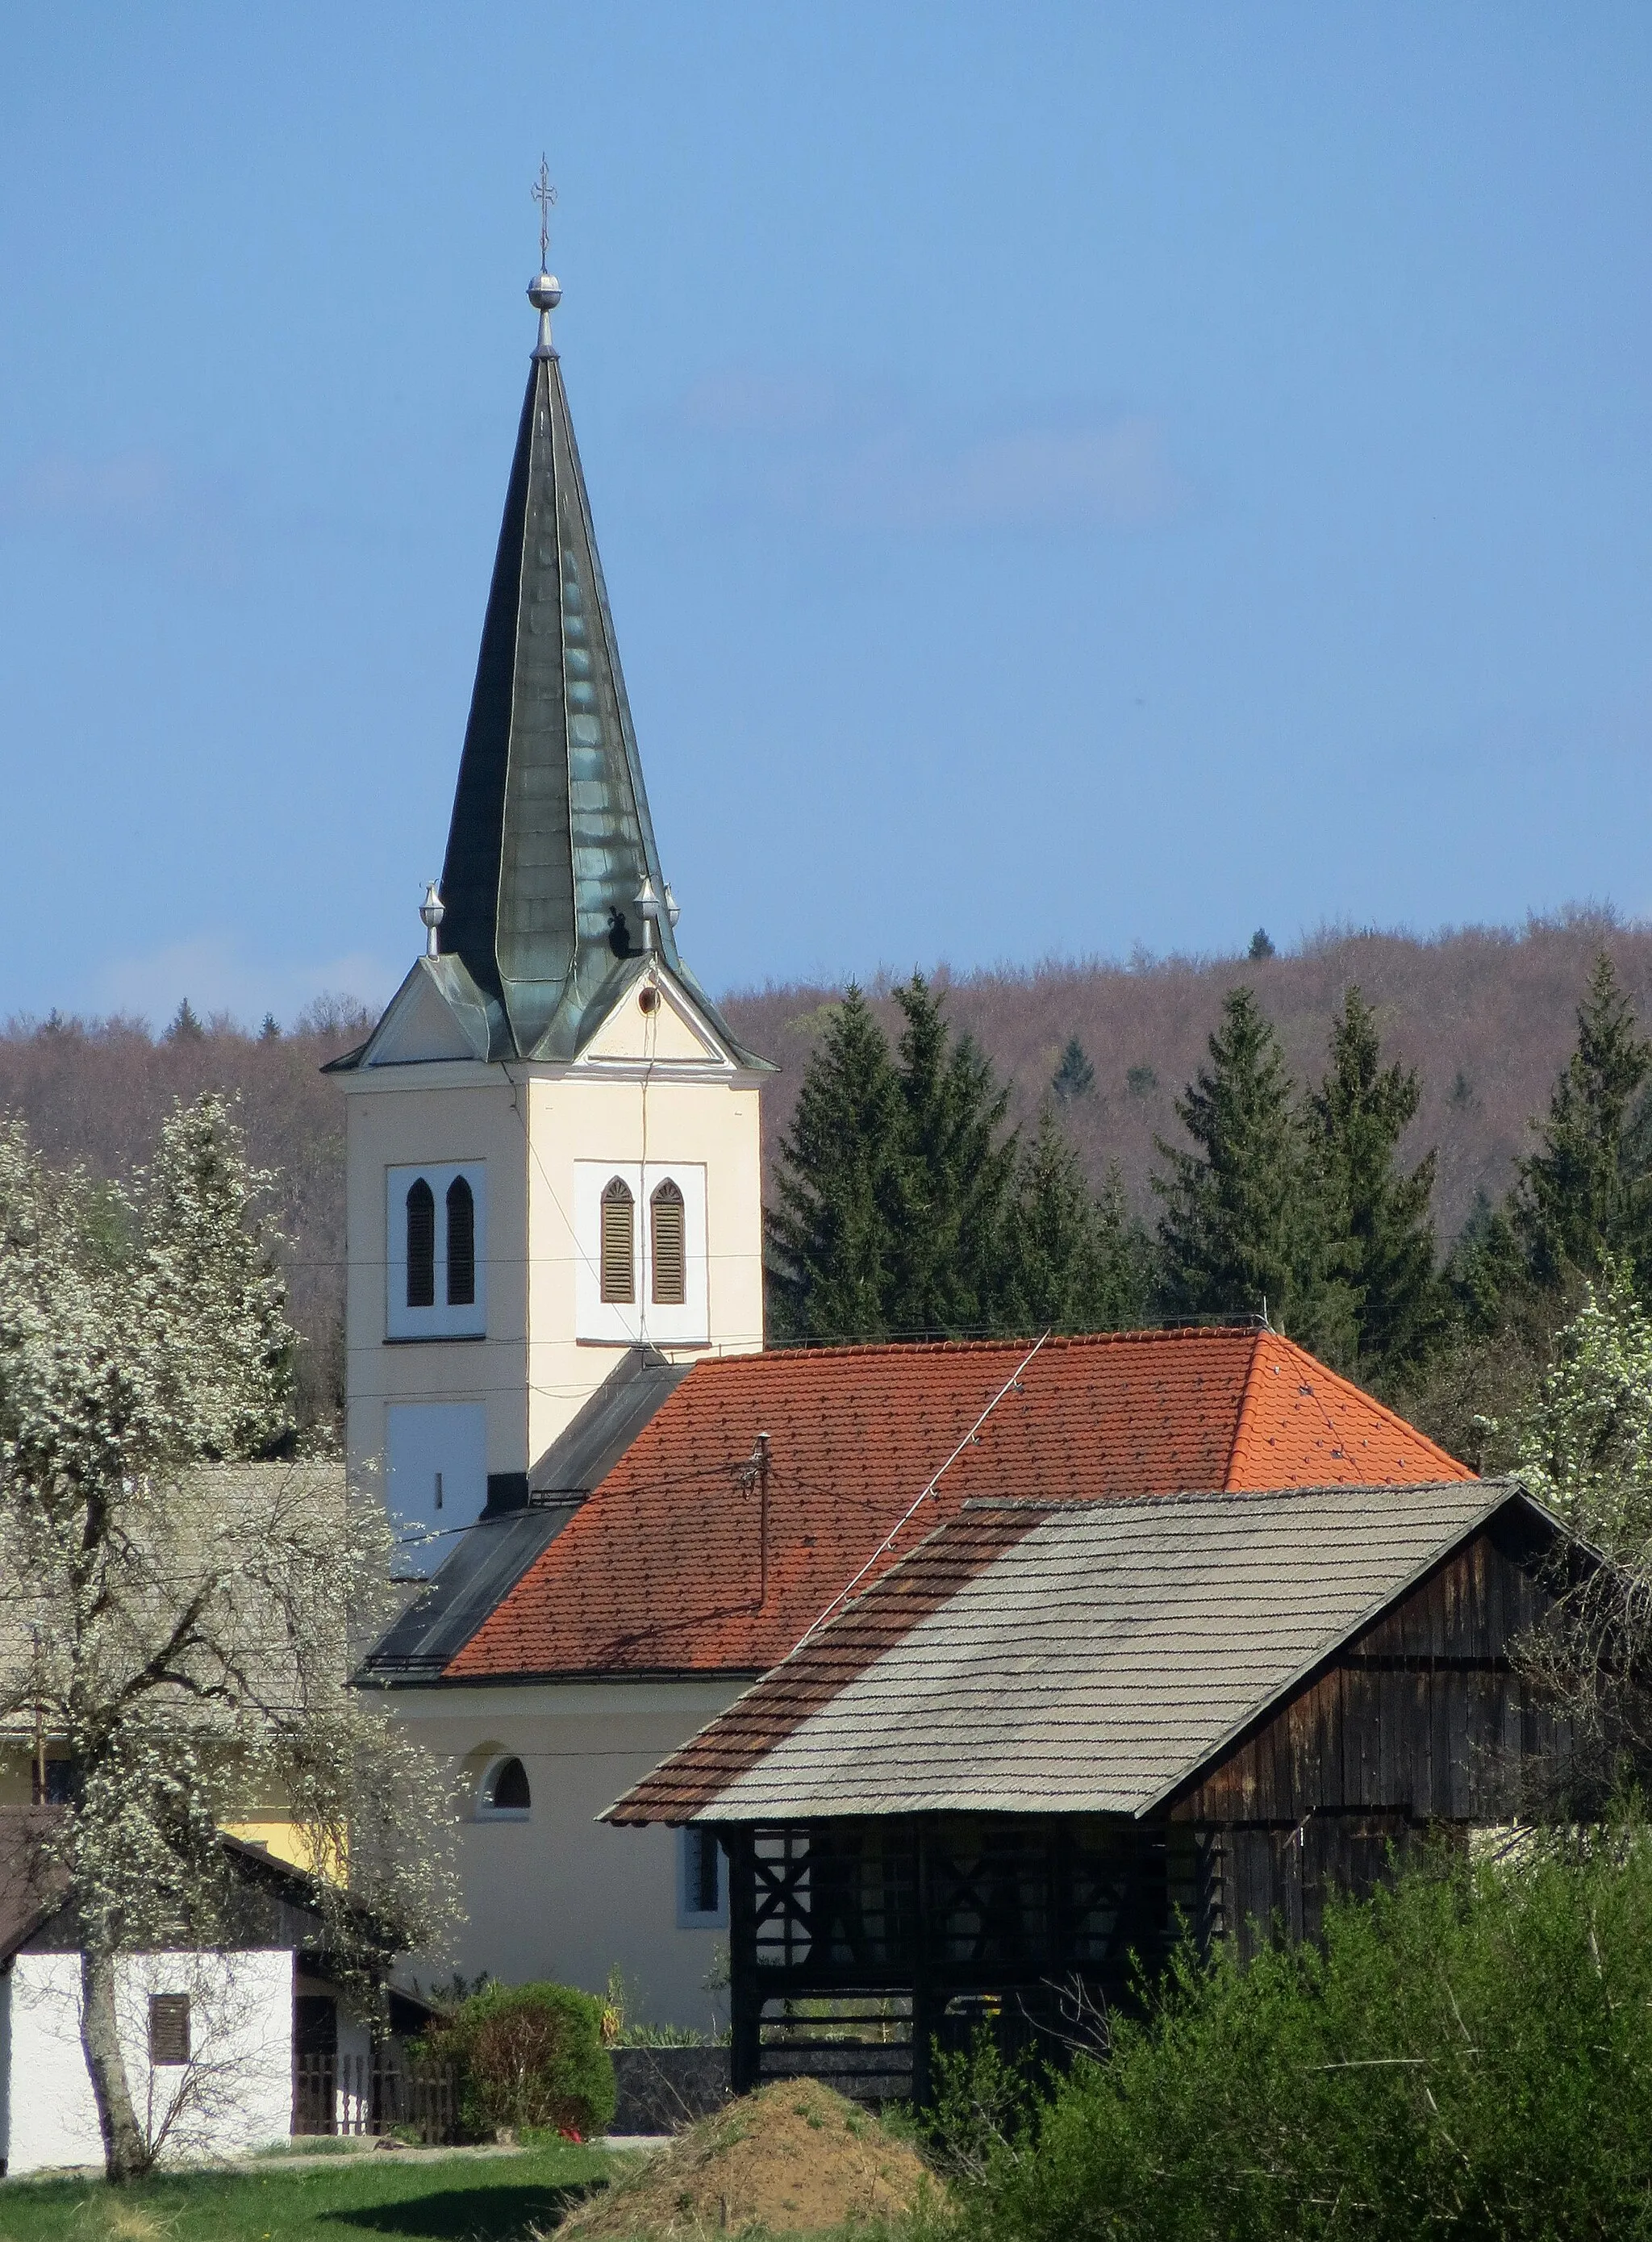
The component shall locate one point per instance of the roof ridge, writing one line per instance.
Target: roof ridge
(1248, 1402)
(1313, 1374)
(1137, 1335)
(1214, 1495)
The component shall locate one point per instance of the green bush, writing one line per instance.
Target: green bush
(529, 2056)
(1469, 2055)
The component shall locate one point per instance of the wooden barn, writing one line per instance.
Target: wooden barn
(1056, 1729)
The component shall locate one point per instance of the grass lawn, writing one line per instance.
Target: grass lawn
(449, 2199)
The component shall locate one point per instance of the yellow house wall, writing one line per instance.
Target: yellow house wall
(561, 1894)
(268, 1824)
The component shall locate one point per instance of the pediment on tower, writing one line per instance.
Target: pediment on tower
(437, 1014)
(654, 1020)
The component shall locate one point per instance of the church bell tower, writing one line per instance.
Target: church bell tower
(554, 1158)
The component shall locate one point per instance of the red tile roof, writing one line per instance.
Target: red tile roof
(662, 1570)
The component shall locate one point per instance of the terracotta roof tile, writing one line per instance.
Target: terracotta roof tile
(662, 1570)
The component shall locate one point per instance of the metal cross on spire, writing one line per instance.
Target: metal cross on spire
(544, 195)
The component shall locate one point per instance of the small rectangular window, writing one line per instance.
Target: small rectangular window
(169, 2027)
(701, 1900)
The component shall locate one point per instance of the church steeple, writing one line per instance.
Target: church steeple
(554, 1149)
(551, 841)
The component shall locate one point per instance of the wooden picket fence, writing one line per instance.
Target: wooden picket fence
(385, 2092)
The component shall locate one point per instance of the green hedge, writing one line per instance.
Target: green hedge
(1469, 2055)
(529, 2056)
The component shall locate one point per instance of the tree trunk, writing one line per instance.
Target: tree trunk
(125, 2151)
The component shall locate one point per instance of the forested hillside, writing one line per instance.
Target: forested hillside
(1489, 1017)
(1486, 1016)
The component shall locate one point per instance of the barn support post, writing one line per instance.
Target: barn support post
(745, 1995)
(925, 2020)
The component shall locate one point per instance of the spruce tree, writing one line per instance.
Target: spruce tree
(1378, 1230)
(1074, 1076)
(1238, 1227)
(838, 1187)
(1585, 1193)
(1076, 1262)
(1485, 1267)
(956, 1179)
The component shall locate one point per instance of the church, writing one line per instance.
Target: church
(615, 1509)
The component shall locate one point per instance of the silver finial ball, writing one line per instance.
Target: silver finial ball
(433, 910)
(545, 291)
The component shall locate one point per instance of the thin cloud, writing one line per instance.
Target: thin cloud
(134, 498)
(800, 446)
(217, 980)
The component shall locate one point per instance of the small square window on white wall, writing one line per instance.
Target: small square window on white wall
(436, 1257)
(640, 1252)
(435, 1478)
(702, 1881)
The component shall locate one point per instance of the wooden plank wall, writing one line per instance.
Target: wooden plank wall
(1421, 1715)
(1419, 1724)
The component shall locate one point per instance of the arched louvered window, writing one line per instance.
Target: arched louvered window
(668, 1248)
(421, 1245)
(461, 1245)
(619, 1242)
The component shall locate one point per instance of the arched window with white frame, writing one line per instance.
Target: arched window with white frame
(504, 1793)
(642, 1267)
(436, 1251)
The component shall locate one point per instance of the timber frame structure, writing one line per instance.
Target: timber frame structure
(862, 1939)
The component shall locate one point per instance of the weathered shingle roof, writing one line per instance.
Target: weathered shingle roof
(1081, 1659)
(662, 1569)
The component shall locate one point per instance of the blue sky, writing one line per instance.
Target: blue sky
(1069, 476)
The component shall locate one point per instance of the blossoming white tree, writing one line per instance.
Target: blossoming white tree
(183, 1629)
(1585, 1449)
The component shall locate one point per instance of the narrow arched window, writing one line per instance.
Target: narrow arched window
(668, 1248)
(461, 1245)
(619, 1242)
(507, 1790)
(421, 1245)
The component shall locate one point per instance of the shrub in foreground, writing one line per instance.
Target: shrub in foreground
(1469, 2055)
(530, 2056)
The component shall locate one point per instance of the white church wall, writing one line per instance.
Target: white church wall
(671, 1124)
(643, 1317)
(441, 1317)
(233, 2095)
(531, 1371)
(561, 1894)
(444, 1114)
(435, 1477)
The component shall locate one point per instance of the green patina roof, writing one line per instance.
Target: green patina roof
(550, 838)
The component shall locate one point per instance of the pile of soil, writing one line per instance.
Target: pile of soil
(791, 2158)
